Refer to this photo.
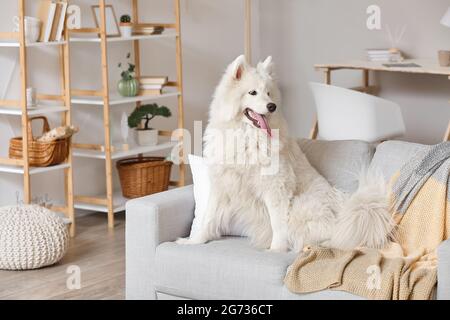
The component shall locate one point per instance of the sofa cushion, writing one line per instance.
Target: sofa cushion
(229, 268)
(390, 156)
(340, 162)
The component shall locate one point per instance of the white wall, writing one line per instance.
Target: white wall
(212, 37)
(300, 33)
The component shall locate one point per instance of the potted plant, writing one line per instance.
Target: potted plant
(128, 86)
(147, 136)
(126, 27)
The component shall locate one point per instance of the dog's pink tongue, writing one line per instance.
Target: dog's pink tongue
(262, 121)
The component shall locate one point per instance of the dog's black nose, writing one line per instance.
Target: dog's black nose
(271, 107)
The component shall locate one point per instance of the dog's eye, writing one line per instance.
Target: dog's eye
(268, 93)
(253, 93)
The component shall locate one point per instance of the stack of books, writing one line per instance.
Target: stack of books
(384, 55)
(143, 30)
(152, 85)
(53, 17)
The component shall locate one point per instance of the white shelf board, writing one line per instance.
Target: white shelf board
(33, 170)
(32, 112)
(16, 44)
(118, 199)
(93, 154)
(115, 99)
(165, 34)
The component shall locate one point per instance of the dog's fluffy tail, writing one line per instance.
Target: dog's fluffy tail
(365, 217)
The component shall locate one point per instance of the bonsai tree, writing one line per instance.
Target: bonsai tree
(147, 113)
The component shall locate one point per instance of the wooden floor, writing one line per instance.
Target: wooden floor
(100, 254)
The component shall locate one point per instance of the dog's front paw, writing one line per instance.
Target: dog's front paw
(278, 250)
(279, 246)
(190, 241)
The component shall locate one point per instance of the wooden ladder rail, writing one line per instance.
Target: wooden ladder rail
(106, 114)
(23, 103)
(179, 62)
(64, 53)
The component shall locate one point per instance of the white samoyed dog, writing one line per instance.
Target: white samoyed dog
(263, 184)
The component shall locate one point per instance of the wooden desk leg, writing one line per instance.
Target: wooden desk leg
(366, 81)
(315, 129)
(447, 133)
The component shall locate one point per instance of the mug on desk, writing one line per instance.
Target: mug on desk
(32, 28)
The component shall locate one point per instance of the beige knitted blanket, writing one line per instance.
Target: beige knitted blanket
(407, 269)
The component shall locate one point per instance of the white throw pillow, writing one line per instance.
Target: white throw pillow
(202, 186)
(202, 189)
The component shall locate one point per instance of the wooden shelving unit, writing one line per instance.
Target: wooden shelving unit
(19, 108)
(113, 201)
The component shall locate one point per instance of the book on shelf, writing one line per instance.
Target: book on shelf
(55, 23)
(61, 21)
(46, 14)
(148, 92)
(53, 17)
(151, 86)
(153, 80)
(143, 30)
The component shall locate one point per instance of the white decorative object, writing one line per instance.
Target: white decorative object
(147, 137)
(126, 30)
(31, 237)
(124, 129)
(345, 114)
(31, 98)
(32, 28)
(446, 18)
(73, 17)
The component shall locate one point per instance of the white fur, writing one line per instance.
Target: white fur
(287, 210)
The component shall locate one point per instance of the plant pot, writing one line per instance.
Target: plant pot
(147, 137)
(126, 30)
(128, 88)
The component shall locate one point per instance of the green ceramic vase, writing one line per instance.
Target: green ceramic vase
(128, 88)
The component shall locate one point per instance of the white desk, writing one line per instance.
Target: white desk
(426, 67)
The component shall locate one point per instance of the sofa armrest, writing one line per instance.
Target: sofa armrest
(443, 287)
(150, 221)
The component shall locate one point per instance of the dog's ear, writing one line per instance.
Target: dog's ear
(267, 65)
(238, 67)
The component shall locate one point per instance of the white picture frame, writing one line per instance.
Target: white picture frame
(112, 26)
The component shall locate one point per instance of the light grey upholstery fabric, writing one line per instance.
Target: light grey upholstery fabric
(229, 268)
(390, 156)
(443, 290)
(150, 221)
(340, 162)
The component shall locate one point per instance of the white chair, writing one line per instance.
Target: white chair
(345, 114)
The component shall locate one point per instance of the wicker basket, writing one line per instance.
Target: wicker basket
(143, 176)
(41, 154)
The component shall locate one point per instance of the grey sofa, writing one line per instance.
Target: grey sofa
(230, 268)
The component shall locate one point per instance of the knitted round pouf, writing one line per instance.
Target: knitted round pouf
(31, 237)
